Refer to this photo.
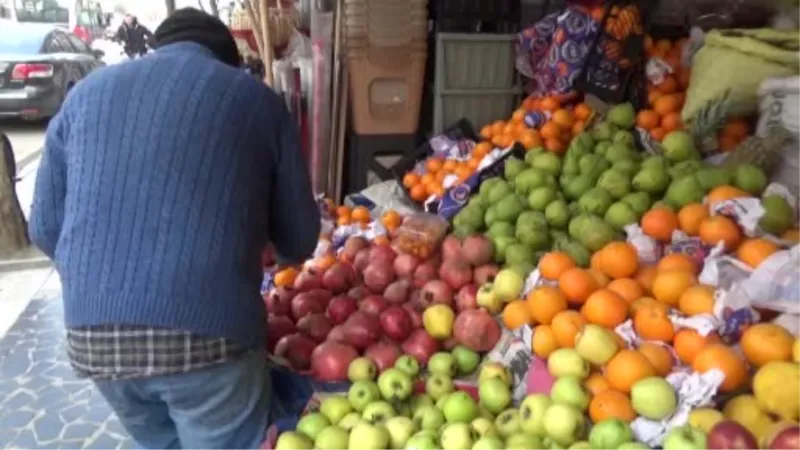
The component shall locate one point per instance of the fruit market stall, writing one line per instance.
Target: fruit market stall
(582, 274)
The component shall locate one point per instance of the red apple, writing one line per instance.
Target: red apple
(477, 330)
(330, 360)
(420, 345)
(396, 323)
(729, 434)
(383, 354)
(787, 436)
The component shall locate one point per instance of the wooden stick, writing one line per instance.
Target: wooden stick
(335, 121)
(265, 29)
(254, 26)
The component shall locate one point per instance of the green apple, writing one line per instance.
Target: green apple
(428, 418)
(531, 413)
(685, 437)
(331, 438)
(407, 364)
(488, 299)
(460, 407)
(419, 400)
(349, 421)
(483, 412)
(582, 445)
(567, 361)
(564, 424)
(312, 424)
(508, 284)
(466, 360)
(290, 440)
(636, 445)
(508, 423)
(495, 370)
(442, 400)
(403, 408)
(523, 441)
(335, 407)
(443, 363)
(378, 412)
(489, 443)
(654, 398)
(423, 440)
(362, 393)
(366, 436)
(569, 390)
(395, 385)
(456, 436)
(596, 344)
(481, 426)
(610, 433)
(495, 395)
(362, 368)
(552, 445)
(400, 431)
(438, 386)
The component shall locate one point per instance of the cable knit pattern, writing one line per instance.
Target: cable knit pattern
(161, 181)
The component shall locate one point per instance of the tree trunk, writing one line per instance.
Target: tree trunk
(170, 6)
(13, 230)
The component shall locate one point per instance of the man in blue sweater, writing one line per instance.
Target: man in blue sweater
(162, 180)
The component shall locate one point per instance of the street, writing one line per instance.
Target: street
(26, 139)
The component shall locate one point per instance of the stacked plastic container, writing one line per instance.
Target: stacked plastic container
(386, 53)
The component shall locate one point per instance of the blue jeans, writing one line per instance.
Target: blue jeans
(224, 406)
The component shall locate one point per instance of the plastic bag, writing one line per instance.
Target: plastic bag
(775, 284)
(420, 234)
(780, 105)
(739, 61)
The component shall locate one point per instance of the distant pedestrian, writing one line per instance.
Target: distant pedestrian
(162, 179)
(135, 37)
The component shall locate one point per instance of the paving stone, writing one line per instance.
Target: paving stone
(47, 428)
(17, 419)
(72, 413)
(104, 441)
(79, 431)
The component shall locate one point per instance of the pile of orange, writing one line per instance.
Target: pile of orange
(734, 132)
(346, 215)
(430, 182)
(666, 98)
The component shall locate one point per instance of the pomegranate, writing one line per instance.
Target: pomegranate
(420, 345)
(467, 297)
(451, 249)
(484, 274)
(358, 292)
(322, 295)
(330, 360)
(315, 326)
(383, 354)
(405, 264)
(414, 315)
(377, 276)
(436, 291)
(477, 250)
(279, 300)
(456, 273)
(382, 254)
(397, 292)
(296, 349)
(339, 278)
(337, 334)
(306, 303)
(424, 272)
(340, 308)
(395, 323)
(361, 260)
(449, 343)
(307, 281)
(278, 327)
(373, 304)
(476, 330)
(414, 297)
(361, 330)
(352, 246)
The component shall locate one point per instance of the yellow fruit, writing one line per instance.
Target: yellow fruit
(746, 410)
(796, 350)
(705, 418)
(776, 386)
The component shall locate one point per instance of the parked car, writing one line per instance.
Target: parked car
(38, 66)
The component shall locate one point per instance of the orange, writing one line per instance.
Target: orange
(647, 119)
(544, 341)
(627, 288)
(652, 96)
(611, 404)
(345, 220)
(554, 264)
(463, 172)
(698, 299)
(510, 129)
(286, 277)
(669, 85)
(645, 277)
(596, 383)
(565, 326)
(519, 115)
(605, 308)
(663, 45)
(645, 302)
(690, 217)
(550, 130)
(659, 357)
(578, 127)
(549, 104)
(434, 164)
(659, 223)
(563, 118)
(738, 129)
(599, 277)
(361, 214)
(545, 302)
(727, 143)
(766, 342)
(754, 251)
(502, 140)
(428, 178)
(450, 165)
(555, 146)
(343, 211)
(482, 149)
(677, 261)
(688, 343)
(718, 229)
(582, 111)
(577, 285)
(667, 103)
(627, 367)
(653, 324)
(725, 359)
(516, 314)
(410, 179)
(672, 121)
(619, 260)
(725, 192)
(486, 132)
(497, 127)
(530, 139)
(418, 193)
(671, 284)
(658, 134)
(391, 220)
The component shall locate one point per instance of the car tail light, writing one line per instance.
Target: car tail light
(27, 71)
(82, 33)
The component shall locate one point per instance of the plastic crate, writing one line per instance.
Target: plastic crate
(476, 16)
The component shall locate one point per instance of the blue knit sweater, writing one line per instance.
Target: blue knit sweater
(162, 179)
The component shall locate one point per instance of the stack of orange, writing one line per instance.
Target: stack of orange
(732, 134)
(346, 216)
(503, 134)
(667, 97)
(431, 181)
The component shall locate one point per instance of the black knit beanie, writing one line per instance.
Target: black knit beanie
(192, 25)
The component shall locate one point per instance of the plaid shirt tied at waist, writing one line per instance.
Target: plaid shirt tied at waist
(129, 351)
